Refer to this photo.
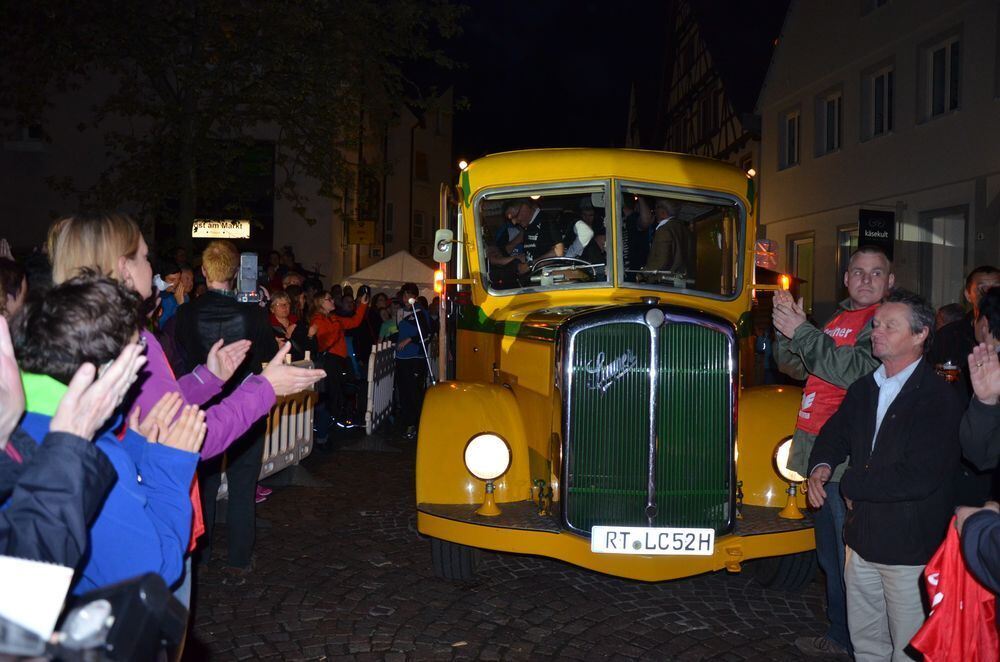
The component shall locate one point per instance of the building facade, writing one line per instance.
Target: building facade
(887, 111)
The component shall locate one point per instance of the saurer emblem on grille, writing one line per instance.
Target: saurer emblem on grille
(602, 375)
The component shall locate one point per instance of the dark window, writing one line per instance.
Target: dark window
(418, 225)
(420, 170)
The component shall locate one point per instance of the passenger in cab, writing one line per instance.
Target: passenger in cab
(542, 235)
(637, 219)
(504, 267)
(509, 239)
(672, 249)
(587, 237)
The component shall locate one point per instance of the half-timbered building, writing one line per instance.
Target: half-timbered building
(702, 100)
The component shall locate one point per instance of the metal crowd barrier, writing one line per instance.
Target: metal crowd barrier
(289, 436)
(381, 380)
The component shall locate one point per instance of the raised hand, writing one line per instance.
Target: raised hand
(187, 433)
(223, 360)
(287, 379)
(87, 404)
(984, 371)
(11, 391)
(787, 315)
(5, 249)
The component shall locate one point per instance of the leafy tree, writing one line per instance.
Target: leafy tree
(197, 80)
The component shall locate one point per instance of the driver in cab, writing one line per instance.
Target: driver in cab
(542, 235)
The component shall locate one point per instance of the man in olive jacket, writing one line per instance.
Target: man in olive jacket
(830, 359)
(899, 426)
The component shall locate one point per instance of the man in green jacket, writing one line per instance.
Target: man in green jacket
(829, 360)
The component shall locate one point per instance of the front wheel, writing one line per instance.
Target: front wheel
(453, 561)
(792, 572)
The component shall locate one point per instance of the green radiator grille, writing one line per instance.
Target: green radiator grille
(612, 371)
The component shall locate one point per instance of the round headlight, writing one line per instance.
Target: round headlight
(487, 456)
(781, 454)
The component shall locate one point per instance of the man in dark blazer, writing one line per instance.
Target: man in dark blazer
(899, 426)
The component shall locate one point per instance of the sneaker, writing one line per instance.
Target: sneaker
(261, 494)
(819, 646)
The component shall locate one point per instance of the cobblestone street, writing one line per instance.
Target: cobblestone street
(341, 573)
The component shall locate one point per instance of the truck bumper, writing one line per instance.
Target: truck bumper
(761, 534)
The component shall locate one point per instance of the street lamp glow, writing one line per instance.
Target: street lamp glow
(463, 164)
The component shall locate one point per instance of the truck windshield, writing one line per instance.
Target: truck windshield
(566, 237)
(672, 240)
(549, 238)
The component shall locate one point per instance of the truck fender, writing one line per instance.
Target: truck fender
(767, 414)
(453, 413)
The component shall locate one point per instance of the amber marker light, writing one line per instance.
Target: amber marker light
(438, 281)
(487, 457)
(781, 453)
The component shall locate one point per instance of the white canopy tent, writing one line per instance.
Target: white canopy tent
(389, 274)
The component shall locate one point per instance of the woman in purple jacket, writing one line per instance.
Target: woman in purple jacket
(114, 245)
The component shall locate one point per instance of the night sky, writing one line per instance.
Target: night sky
(551, 73)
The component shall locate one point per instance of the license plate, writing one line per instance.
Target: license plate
(647, 540)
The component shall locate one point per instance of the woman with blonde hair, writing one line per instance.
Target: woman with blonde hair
(113, 245)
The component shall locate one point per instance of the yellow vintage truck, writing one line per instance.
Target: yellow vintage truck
(599, 413)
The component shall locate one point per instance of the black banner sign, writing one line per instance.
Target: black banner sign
(877, 227)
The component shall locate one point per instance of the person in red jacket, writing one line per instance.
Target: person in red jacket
(332, 345)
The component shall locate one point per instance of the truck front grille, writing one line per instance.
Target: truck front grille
(648, 420)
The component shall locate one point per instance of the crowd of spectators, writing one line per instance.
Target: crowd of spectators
(125, 391)
(899, 438)
(129, 383)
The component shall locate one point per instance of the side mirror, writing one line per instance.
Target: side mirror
(444, 241)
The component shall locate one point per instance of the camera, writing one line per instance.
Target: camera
(246, 279)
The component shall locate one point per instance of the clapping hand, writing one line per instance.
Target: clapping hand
(287, 379)
(11, 391)
(87, 404)
(186, 433)
(984, 371)
(154, 424)
(223, 360)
